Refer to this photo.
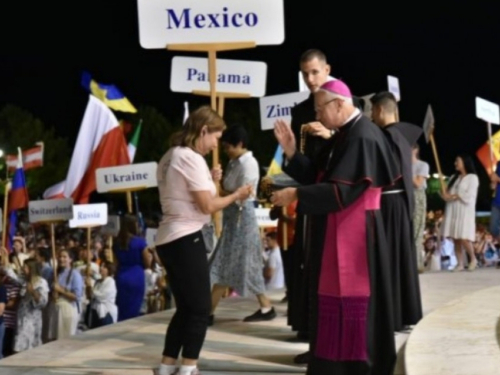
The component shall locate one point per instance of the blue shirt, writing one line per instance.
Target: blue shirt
(496, 199)
(73, 284)
(3, 299)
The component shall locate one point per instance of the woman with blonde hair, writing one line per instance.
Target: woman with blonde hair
(188, 198)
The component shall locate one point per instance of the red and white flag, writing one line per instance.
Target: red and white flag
(32, 158)
(100, 143)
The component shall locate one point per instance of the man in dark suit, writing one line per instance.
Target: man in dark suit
(312, 135)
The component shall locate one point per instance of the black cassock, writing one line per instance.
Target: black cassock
(352, 332)
(397, 210)
(298, 258)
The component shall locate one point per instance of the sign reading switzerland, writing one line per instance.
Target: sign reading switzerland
(164, 22)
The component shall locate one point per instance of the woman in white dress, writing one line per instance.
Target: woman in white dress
(460, 212)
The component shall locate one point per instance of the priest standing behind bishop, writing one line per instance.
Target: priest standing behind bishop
(352, 331)
(397, 207)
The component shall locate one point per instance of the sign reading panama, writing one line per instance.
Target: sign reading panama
(126, 177)
(50, 210)
(89, 215)
(164, 22)
(243, 77)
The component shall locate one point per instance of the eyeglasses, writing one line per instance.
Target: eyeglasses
(321, 106)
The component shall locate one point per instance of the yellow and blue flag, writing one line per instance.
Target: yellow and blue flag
(275, 167)
(109, 94)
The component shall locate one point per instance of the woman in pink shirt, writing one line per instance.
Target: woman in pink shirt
(188, 198)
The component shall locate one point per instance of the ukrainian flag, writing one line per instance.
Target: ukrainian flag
(275, 167)
(109, 94)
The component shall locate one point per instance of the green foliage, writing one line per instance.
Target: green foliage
(153, 143)
(19, 128)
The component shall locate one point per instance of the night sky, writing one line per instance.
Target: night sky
(442, 55)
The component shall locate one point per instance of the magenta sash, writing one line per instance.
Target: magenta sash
(344, 284)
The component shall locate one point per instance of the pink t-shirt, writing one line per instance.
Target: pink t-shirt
(181, 171)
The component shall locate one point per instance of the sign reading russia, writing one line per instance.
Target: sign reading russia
(235, 76)
(89, 215)
(164, 22)
(126, 177)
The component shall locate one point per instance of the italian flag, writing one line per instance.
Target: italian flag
(132, 146)
(100, 143)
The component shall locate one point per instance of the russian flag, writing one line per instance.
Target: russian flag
(18, 198)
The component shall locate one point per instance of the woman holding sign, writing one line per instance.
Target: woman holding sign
(188, 197)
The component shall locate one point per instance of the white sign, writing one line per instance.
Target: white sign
(50, 210)
(126, 177)
(89, 215)
(367, 108)
(393, 84)
(151, 236)
(277, 107)
(263, 218)
(164, 22)
(487, 111)
(242, 77)
(428, 123)
(112, 227)
(302, 83)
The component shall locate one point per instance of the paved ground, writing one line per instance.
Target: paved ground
(232, 347)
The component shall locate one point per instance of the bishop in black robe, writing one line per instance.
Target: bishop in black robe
(298, 283)
(352, 330)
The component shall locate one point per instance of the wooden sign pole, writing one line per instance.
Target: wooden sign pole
(53, 245)
(212, 49)
(285, 228)
(89, 237)
(490, 142)
(110, 245)
(438, 164)
(128, 193)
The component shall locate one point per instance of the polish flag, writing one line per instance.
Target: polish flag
(32, 158)
(100, 144)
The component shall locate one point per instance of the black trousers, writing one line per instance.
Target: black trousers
(185, 260)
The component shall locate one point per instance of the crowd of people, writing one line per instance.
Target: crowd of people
(44, 299)
(353, 235)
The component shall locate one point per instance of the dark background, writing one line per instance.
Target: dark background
(442, 55)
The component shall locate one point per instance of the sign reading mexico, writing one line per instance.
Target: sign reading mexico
(242, 77)
(126, 177)
(164, 22)
(277, 107)
(50, 210)
(89, 215)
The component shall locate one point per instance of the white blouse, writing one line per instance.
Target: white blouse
(104, 298)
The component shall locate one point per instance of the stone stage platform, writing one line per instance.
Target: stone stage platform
(232, 347)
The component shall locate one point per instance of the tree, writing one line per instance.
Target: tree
(19, 128)
(153, 143)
